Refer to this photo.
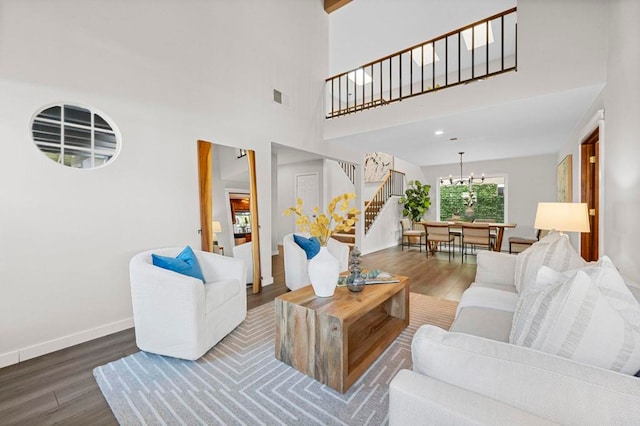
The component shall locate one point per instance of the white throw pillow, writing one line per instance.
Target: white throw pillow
(588, 315)
(554, 251)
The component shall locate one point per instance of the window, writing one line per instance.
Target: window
(480, 200)
(75, 136)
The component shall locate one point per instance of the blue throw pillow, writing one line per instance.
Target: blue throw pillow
(311, 246)
(186, 263)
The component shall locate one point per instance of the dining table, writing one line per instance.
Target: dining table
(456, 225)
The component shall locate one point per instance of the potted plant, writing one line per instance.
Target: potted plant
(416, 200)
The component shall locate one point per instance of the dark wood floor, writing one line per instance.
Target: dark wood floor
(59, 388)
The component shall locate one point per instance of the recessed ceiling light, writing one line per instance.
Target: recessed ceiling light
(479, 36)
(438, 132)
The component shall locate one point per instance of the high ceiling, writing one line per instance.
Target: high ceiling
(533, 126)
(535, 111)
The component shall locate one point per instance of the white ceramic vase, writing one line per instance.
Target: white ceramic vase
(324, 270)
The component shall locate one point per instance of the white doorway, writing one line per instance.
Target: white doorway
(308, 189)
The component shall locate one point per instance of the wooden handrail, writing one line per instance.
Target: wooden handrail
(386, 190)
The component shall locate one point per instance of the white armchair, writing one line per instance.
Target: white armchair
(179, 316)
(245, 252)
(296, 265)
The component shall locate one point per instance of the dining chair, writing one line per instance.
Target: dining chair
(408, 232)
(522, 241)
(456, 231)
(438, 232)
(492, 231)
(476, 234)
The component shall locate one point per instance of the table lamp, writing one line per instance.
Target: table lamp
(562, 217)
(217, 228)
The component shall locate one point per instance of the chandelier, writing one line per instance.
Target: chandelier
(461, 181)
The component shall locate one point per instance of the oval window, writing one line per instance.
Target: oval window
(75, 136)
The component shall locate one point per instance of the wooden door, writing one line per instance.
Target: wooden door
(590, 183)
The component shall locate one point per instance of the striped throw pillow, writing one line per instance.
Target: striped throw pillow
(554, 251)
(588, 315)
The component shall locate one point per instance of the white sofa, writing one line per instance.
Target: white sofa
(180, 316)
(472, 375)
(296, 264)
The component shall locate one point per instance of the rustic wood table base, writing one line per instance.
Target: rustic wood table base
(335, 339)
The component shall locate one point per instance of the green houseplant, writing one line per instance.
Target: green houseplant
(416, 200)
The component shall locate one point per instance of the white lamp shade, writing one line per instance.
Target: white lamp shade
(565, 217)
(216, 227)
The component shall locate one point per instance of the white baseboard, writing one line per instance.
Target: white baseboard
(9, 358)
(71, 340)
(267, 281)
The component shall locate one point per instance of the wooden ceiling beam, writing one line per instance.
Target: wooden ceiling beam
(333, 5)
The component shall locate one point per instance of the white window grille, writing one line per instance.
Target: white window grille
(75, 136)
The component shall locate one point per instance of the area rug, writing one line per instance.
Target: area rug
(240, 381)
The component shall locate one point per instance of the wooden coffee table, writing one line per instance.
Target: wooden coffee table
(335, 339)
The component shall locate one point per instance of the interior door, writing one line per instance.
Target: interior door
(590, 183)
(307, 188)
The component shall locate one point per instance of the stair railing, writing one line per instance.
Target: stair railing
(349, 169)
(392, 185)
(474, 52)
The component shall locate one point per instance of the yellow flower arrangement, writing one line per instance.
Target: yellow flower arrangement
(321, 224)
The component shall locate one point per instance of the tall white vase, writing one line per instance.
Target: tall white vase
(324, 270)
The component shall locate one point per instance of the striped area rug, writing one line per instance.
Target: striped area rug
(239, 381)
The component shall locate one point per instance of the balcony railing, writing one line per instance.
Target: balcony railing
(474, 52)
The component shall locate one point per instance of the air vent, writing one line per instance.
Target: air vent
(277, 96)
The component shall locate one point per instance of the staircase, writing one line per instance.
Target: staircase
(348, 238)
(393, 185)
(371, 212)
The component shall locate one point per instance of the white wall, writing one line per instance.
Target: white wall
(385, 231)
(411, 171)
(622, 139)
(336, 181)
(168, 73)
(529, 180)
